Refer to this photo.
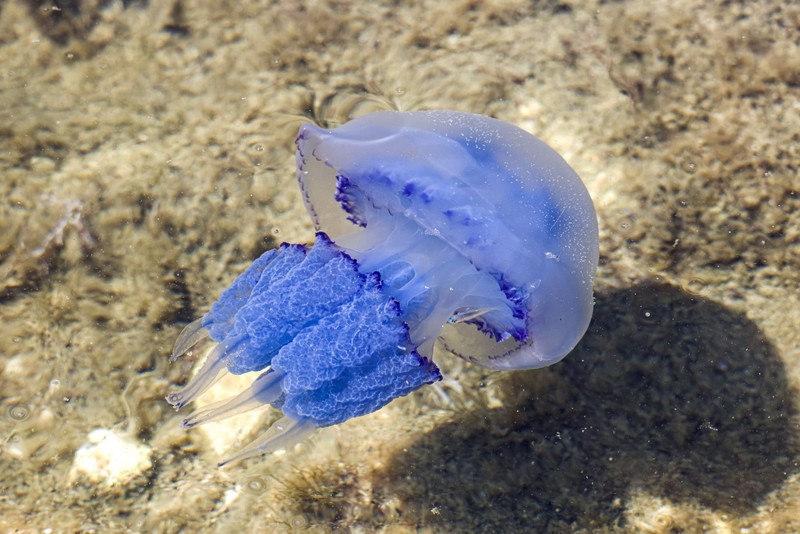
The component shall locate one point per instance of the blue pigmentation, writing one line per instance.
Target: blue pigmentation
(439, 233)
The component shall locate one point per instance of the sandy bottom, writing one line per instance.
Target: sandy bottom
(146, 159)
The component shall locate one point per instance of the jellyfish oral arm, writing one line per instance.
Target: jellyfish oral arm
(331, 343)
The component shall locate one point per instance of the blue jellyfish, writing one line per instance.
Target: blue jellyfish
(438, 233)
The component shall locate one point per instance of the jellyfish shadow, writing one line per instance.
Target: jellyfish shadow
(668, 393)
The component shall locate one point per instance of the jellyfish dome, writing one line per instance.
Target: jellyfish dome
(483, 233)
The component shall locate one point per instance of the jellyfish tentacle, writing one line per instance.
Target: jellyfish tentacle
(283, 433)
(212, 370)
(266, 389)
(192, 334)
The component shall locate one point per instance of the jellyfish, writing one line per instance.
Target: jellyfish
(439, 233)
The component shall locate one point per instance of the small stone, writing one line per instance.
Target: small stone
(110, 457)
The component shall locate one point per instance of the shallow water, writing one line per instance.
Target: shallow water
(146, 159)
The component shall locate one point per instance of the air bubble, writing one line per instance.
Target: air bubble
(648, 317)
(19, 412)
(255, 485)
(298, 522)
(694, 286)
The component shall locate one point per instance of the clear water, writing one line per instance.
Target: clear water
(146, 157)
